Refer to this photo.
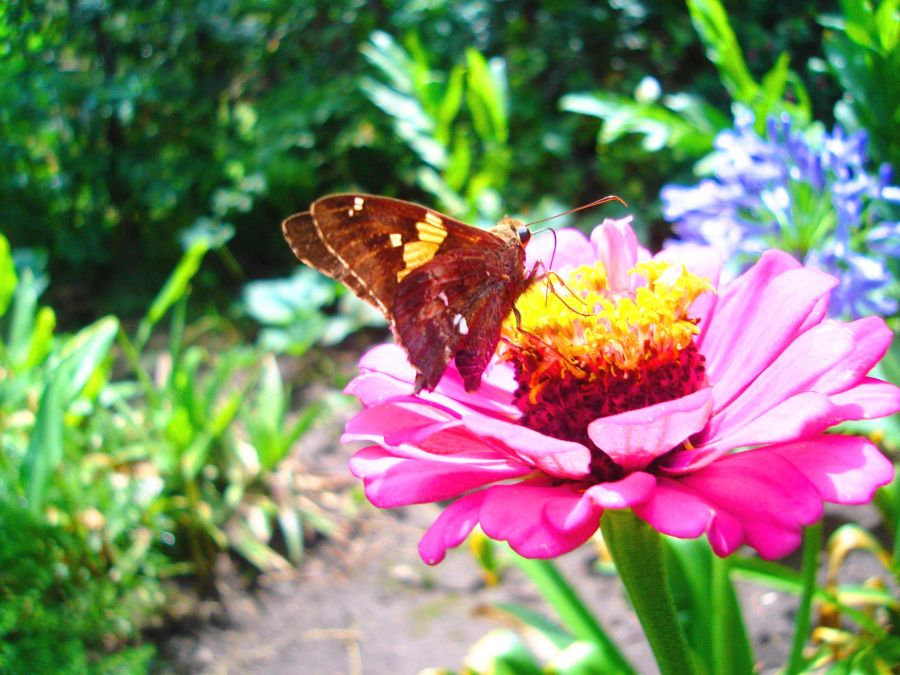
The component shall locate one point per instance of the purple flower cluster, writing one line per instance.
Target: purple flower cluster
(811, 197)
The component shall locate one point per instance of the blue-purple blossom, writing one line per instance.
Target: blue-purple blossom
(808, 195)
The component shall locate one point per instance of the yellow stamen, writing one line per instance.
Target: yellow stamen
(609, 330)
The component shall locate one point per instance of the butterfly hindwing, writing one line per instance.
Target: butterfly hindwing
(453, 306)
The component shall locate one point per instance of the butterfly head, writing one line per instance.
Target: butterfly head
(512, 230)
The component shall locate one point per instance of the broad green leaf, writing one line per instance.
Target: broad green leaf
(257, 553)
(486, 98)
(21, 325)
(84, 352)
(711, 23)
(449, 105)
(579, 658)
(859, 22)
(41, 337)
(771, 90)
(389, 57)
(290, 521)
(708, 606)
(8, 277)
(45, 448)
(502, 652)
(175, 287)
(887, 22)
(558, 636)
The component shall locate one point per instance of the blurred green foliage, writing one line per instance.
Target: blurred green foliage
(131, 466)
(863, 52)
(125, 123)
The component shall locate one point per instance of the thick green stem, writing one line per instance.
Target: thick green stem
(812, 544)
(637, 551)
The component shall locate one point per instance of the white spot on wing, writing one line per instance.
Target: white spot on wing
(443, 298)
(396, 239)
(350, 212)
(460, 322)
(358, 203)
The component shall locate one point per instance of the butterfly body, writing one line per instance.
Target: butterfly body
(444, 286)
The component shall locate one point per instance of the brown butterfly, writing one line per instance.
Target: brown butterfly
(444, 286)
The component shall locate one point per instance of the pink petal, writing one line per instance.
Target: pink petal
(635, 438)
(870, 339)
(868, 400)
(676, 510)
(389, 359)
(568, 249)
(770, 498)
(563, 459)
(533, 519)
(634, 489)
(745, 334)
(616, 246)
(451, 528)
(844, 469)
(520, 514)
(398, 481)
(802, 415)
(704, 262)
(386, 375)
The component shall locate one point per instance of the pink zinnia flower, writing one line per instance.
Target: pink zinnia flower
(638, 383)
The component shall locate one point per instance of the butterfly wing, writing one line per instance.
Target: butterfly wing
(453, 306)
(380, 240)
(303, 238)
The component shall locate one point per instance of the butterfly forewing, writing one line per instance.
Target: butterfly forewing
(382, 239)
(303, 238)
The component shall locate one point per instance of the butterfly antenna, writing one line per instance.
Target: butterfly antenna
(597, 202)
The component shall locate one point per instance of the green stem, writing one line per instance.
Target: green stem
(574, 615)
(637, 551)
(812, 544)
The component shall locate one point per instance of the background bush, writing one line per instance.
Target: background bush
(125, 123)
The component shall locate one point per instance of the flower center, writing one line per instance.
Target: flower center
(585, 350)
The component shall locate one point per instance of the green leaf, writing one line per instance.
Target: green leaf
(174, 289)
(570, 609)
(385, 54)
(887, 24)
(78, 359)
(22, 318)
(556, 634)
(688, 126)
(41, 337)
(711, 23)
(859, 22)
(449, 105)
(486, 98)
(45, 447)
(84, 352)
(771, 90)
(8, 279)
(579, 658)
(504, 653)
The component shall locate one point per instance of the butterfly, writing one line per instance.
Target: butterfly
(445, 287)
